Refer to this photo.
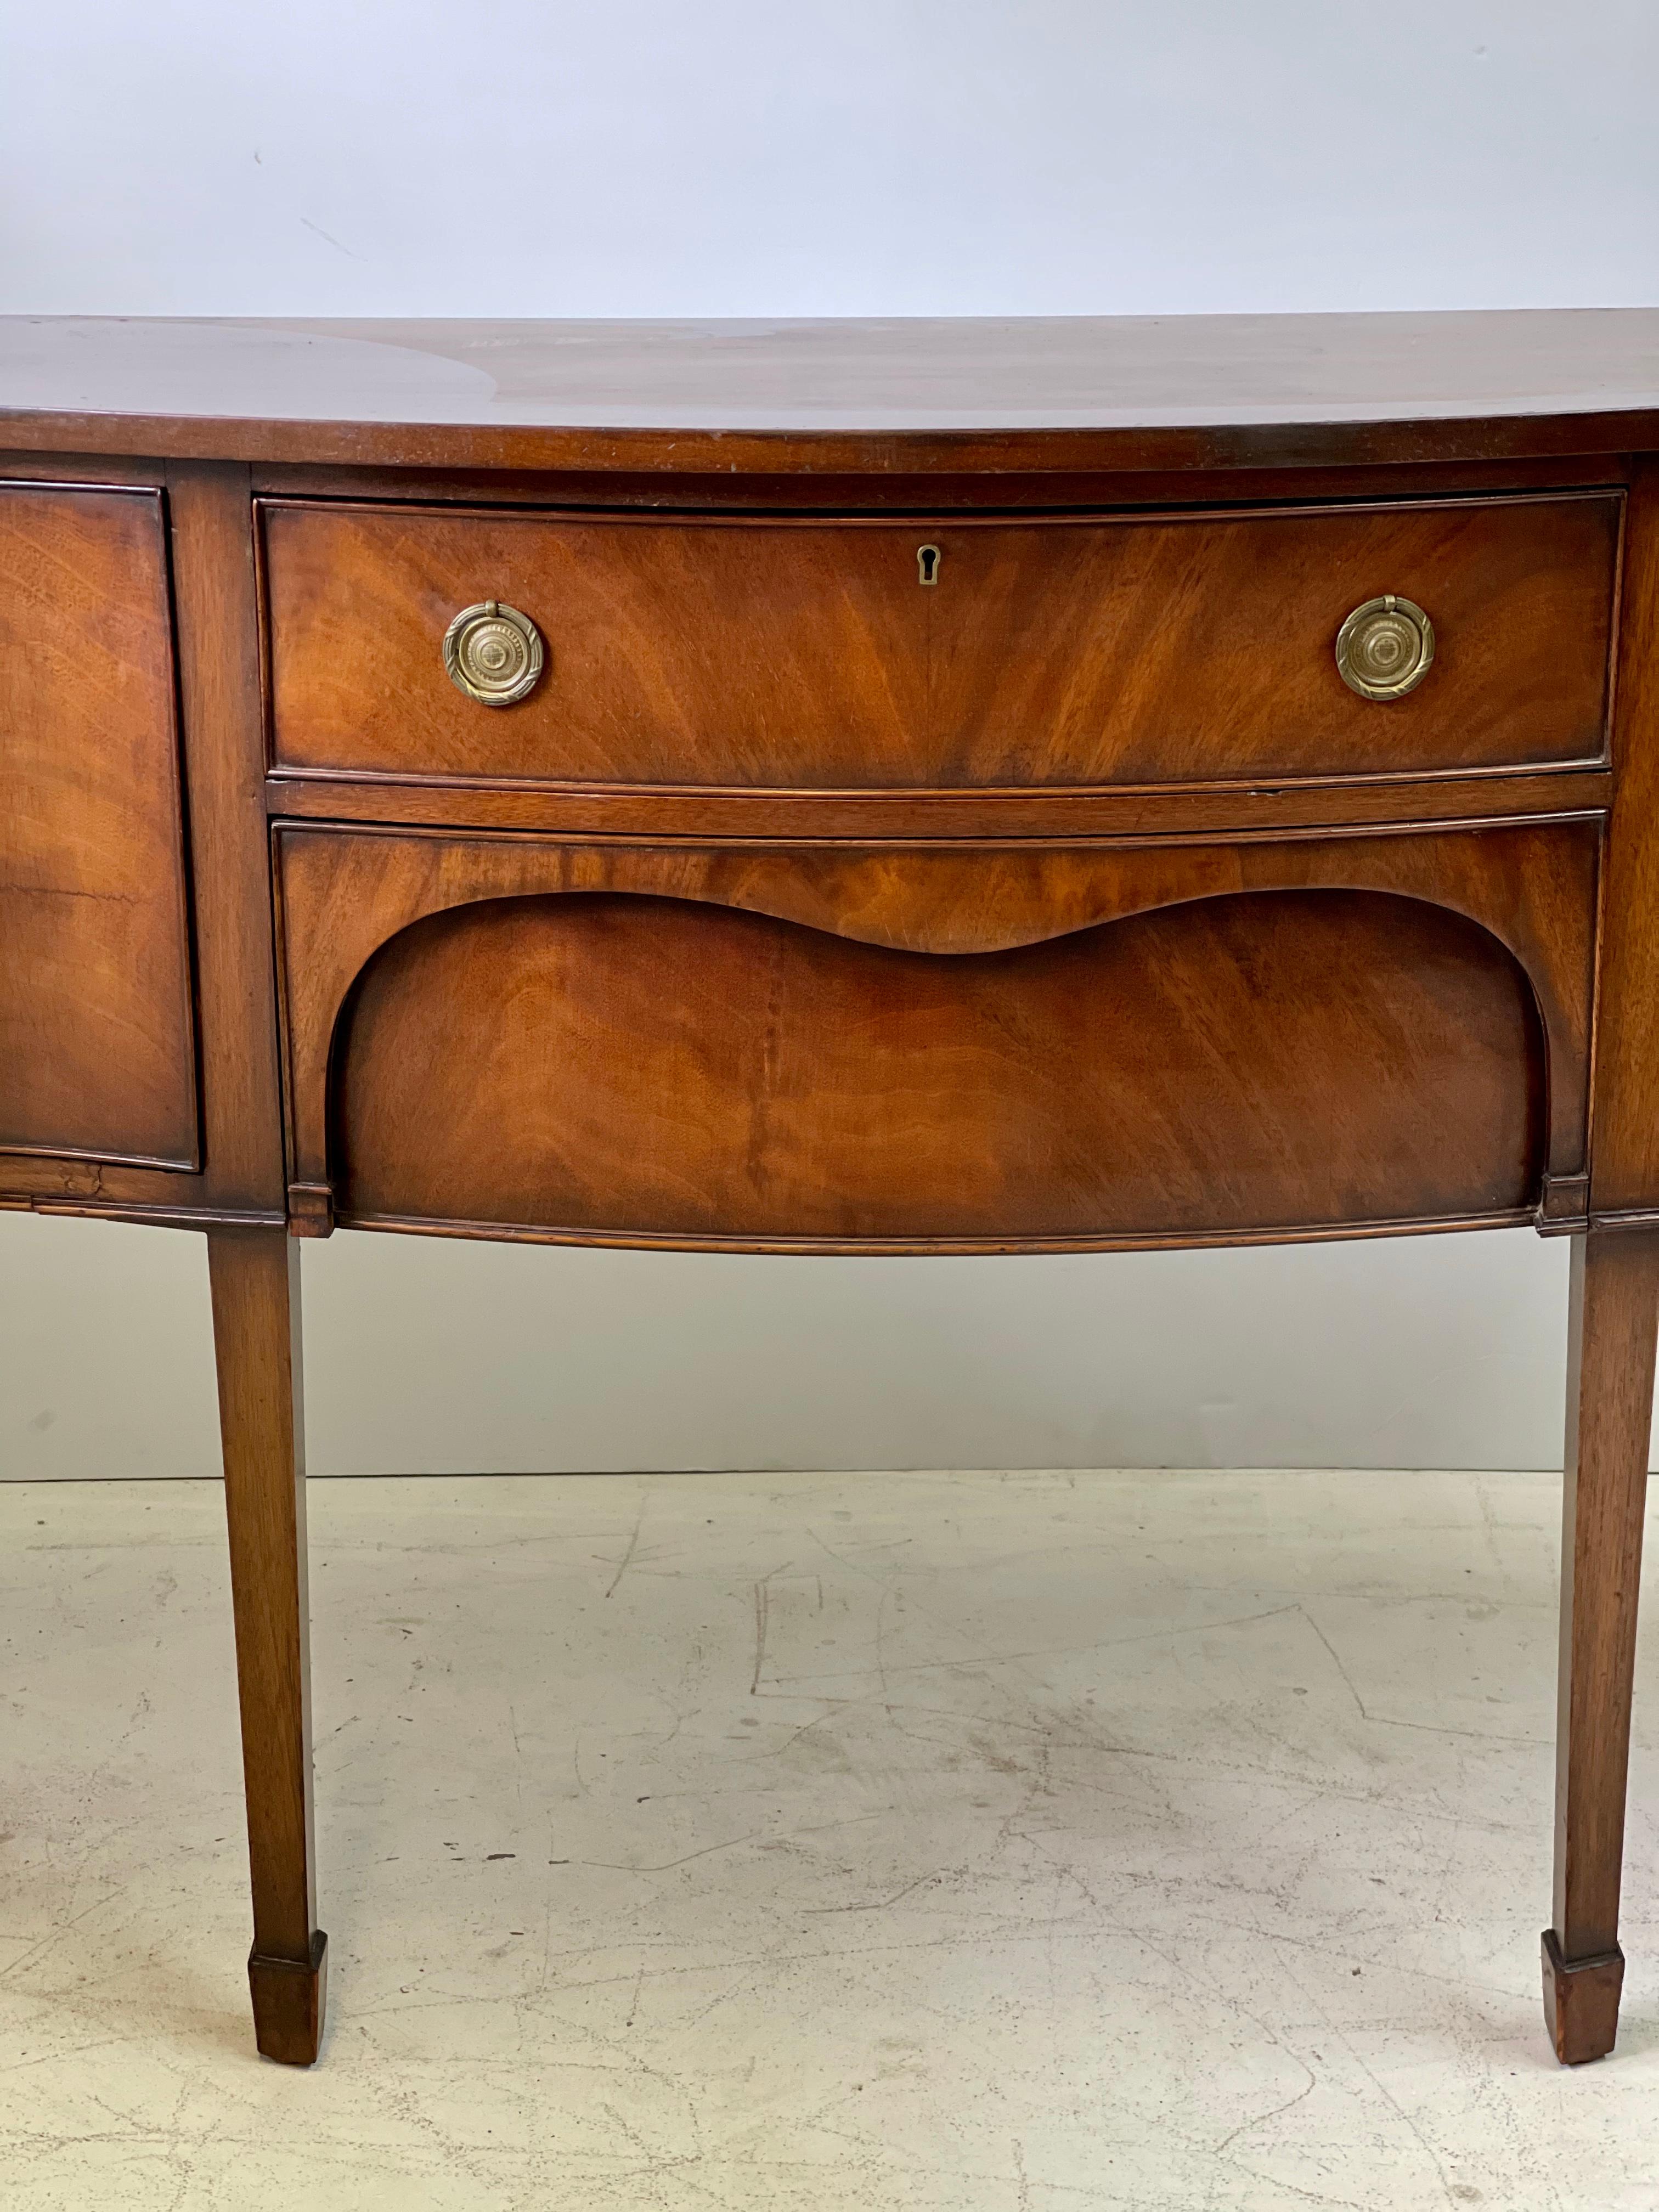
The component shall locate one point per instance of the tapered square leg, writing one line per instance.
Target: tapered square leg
(1613, 1322)
(254, 1273)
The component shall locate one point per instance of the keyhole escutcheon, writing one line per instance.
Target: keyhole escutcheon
(928, 560)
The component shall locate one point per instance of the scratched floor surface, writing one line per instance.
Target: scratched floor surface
(874, 1843)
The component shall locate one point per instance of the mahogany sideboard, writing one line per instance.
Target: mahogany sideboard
(873, 787)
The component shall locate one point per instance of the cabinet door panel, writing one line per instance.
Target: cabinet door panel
(97, 1053)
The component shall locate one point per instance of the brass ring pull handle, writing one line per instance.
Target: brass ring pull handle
(494, 653)
(1384, 648)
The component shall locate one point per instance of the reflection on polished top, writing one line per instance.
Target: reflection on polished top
(1073, 373)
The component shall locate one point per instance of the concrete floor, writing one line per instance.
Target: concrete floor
(925, 1843)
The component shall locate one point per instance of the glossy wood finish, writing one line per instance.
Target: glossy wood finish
(97, 1053)
(209, 538)
(938, 816)
(1532, 886)
(1625, 1180)
(255, 1277)
(219, 662)
(879, 398)
(1612, 1327)
(1273, 963)
(627, 1066)
(761, 653)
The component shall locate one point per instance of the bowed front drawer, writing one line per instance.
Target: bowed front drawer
(963, 654)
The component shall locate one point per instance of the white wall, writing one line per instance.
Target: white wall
(829, 157)
(826, 156)
(422, 1354)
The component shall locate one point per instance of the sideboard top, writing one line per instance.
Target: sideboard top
(1119, 392)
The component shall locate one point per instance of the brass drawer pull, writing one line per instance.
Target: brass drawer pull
(493, 653)
(1384, 648)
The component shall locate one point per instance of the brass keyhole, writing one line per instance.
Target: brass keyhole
(928, 560)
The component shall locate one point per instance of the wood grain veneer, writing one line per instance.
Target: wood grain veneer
(622, 1064)
(973, 395)
(345, 895)
(97, 1049)
(767, 654)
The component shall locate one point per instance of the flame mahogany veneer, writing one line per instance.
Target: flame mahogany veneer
(1045, 890)
(751, 652)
